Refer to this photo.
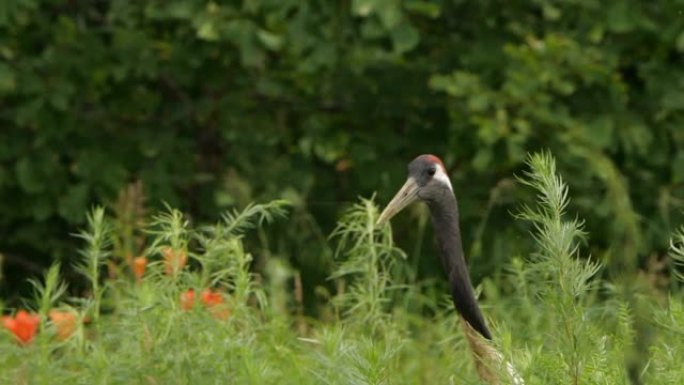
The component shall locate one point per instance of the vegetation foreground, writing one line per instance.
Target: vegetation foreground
(192, 311)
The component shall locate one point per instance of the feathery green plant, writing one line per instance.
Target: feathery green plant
(561, 326)
(223, 258)
(48, 292)
(367, 255)
(170, 231)
(560, 277)
(677, 254)
(667, 351)
(97, 237)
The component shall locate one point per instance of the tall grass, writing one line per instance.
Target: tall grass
(553, 316)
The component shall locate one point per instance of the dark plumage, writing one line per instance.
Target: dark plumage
(428, 182)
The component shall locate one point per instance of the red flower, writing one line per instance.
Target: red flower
(65, 321)
(174, 260)
(139, 265)
(211, 300)
(214, 302)
(23, 325)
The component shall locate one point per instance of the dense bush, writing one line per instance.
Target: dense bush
(154, 326)
(214, 105)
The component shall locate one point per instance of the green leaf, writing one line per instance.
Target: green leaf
(390, 14)
(550, 12)
(180, 9)
(678, 168)
(243, 34)
(600, 132)
(482, 160)
(207, 31)
(424, 8)
(41, 209)
(4, 176)
(73, 205)
(622, 16)
(270, 40)
(679, 44)
(28, 176)
(7, 79)
(363, 8)
(404, 38)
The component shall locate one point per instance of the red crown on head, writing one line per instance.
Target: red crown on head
(435, 159)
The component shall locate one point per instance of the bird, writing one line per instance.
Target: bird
(428, 182)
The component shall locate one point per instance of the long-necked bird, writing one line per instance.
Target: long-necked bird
(428, 182)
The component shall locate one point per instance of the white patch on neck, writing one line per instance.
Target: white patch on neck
(441, 176)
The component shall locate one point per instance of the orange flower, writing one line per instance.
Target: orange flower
(211, 300)
(23, 325)
(139, 265)
(214, 302)
(174, 260)
(187, 299)
(64, 321)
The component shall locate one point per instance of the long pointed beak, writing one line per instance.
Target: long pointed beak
(406, 195)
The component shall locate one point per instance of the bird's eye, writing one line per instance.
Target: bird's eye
(432, 171)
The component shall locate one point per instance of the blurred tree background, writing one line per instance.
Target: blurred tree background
(210, 105)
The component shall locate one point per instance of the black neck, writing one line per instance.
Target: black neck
(444, 213)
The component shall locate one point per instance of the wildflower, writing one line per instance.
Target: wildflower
(139, 265)
(211, 300)
(174, 260)
(214, 302)
(64, 321)
(187, 299)
(23, 325)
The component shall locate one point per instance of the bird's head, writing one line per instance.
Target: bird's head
(427, 181)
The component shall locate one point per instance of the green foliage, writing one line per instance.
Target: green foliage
(223, 251)
(97, 242)
(369, 256)
(568, 79)
(557, 238)
(237, 222)
(50, 291)
(670, 320)
(210, 106)
(576, 352)
(148, 336)
(214, 105)
(552, 328)
(677, 253)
